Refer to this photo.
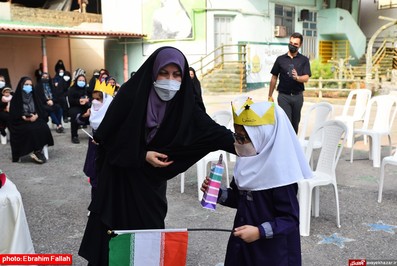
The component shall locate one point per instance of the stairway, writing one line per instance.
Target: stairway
(228, 77)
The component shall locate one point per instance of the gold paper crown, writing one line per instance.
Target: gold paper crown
(103, 87)
(248, 117)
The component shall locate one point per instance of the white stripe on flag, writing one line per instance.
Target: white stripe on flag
(147, 249)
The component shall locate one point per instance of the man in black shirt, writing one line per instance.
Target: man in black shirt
(293, 70)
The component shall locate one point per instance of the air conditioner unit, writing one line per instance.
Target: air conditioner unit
(280, 31)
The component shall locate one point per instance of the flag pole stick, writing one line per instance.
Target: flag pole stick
(120, 232)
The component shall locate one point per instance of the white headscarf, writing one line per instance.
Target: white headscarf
(280, 159)
(97, 116)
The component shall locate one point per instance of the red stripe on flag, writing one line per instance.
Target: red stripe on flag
(175, 249)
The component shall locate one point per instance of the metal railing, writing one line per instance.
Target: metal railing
(321, 85)
(226, 53)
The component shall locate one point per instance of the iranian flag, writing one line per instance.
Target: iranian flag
(149, 248)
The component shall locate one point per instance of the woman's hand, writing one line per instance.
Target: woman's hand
(50, 103)
(247, 233)
(83, 101)
(34, 117)
(205, 183)
(157, 159)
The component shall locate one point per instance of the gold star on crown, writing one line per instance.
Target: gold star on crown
(245, 115)
(103, 87)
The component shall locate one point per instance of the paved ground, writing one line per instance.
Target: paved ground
(57, 194)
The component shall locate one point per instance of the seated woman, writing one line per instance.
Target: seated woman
(28, 123)
(46, 94)
(79, 105)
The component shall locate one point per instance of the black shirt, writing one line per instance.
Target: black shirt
(281, 68)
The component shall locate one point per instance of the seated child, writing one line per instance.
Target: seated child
(6, 98)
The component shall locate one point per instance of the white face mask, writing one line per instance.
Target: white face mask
(2, 84)
(245, 150)
(66, 78)
(96, 105)
(166, 88)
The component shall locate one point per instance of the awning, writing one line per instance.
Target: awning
(63, 31)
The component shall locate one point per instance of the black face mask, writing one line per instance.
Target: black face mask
(292, 49)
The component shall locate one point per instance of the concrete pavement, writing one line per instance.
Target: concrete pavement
(56, 196)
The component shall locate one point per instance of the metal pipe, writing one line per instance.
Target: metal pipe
(44, 54)
(125, 66)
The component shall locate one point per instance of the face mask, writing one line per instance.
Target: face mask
(6, 99)
(292, 49)
(66, 78)
(2, 84)
(245, 150)
(166, 88)
(61, 74)
(81, 84)
(27, 88)
(45, 80)
(96, 105)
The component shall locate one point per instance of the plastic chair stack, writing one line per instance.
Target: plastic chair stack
(334, 133)
(319, 113)
(362, 97)
(385, 109)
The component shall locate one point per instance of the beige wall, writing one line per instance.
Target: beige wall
(22, 55)
(87, 54)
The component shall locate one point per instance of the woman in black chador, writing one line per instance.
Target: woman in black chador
(153, 130)
(28, 123)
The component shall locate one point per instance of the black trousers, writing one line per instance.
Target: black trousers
(292, 106)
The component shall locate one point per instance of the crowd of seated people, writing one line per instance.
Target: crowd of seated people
(28, 110)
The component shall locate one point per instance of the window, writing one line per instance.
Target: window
(310, 26)
(344, 4)
(285, 16)
(386, 4)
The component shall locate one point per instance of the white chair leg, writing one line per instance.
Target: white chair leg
(200, 177)
(381, 179)
(3, 139)
(45, 151)
(227, 173)
(349, 135)
(337, 206)
(316, 202)
(183, 182)
(304, 198)
(375, 151)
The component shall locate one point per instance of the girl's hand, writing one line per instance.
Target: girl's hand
(204, 186)
(247, 233)
(157, 159)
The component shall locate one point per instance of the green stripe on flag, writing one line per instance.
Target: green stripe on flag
(119, 250)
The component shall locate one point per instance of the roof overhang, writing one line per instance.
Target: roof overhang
(24, 30)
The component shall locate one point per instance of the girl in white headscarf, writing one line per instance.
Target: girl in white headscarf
(264, 189)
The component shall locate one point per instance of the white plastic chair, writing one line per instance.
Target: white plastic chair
(362, 97)
(45, 152)
(223, 118)
(316, 115)
(387, 160)
(4, 139)
(386, 108)
(334, 132)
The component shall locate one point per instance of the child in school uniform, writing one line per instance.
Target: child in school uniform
(264, 188)
(102, 96)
